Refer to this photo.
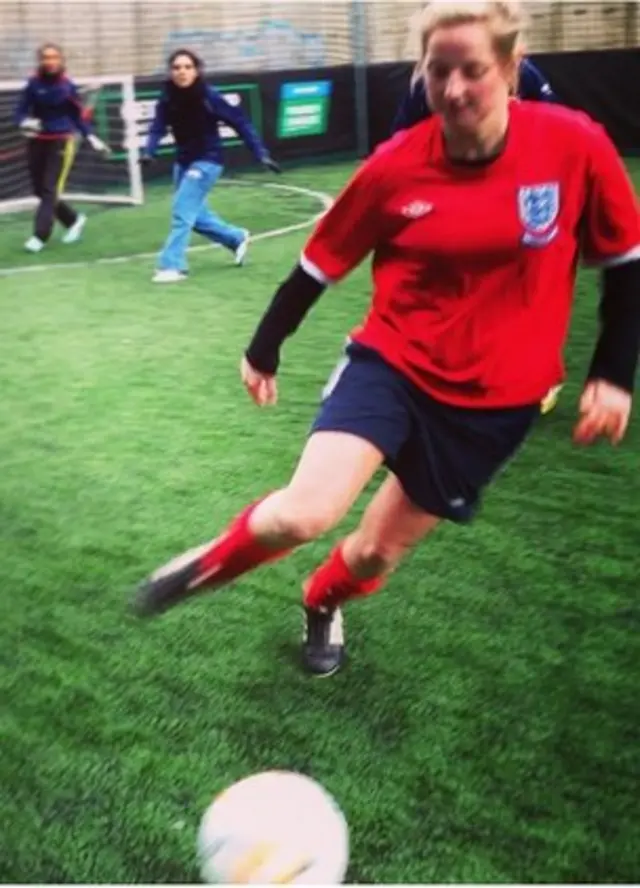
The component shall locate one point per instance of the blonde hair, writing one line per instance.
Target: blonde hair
(505, 20)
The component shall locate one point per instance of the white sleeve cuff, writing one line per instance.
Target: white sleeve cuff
(630, 256)
(314, 272)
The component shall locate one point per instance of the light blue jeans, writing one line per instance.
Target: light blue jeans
(189, 212)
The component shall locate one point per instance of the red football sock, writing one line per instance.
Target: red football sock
(333, 583)
(236, 551)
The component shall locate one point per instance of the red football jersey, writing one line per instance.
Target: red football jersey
(474, 265)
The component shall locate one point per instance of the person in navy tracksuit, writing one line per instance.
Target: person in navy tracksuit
(49, 114)
(192, 110)
(532, 85)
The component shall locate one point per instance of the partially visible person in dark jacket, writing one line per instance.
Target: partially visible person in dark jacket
(193, 111)
(532, 85)
(49, 114)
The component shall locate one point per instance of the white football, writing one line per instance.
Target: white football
(274, 828)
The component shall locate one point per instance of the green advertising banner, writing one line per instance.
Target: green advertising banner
(304, 108)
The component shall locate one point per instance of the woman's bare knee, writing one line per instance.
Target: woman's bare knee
(302, 520)
(330, 475)
(371, 556)
(391, 526)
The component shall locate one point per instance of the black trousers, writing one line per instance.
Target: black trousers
(49, 162)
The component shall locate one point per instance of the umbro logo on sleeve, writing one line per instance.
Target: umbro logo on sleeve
(417, 209)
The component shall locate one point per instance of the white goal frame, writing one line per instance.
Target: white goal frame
(135, 197)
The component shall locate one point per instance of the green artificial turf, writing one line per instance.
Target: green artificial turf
(486, 728)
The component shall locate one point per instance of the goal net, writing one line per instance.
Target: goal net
(110, 104)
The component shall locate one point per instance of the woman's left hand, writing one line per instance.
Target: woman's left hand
(604, 412)
(262, 387)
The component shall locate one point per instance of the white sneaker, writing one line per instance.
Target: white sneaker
(241, 250)
(168, 276)
(34, 244)
(73, 234)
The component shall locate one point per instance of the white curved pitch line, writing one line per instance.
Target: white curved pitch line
(324, 199)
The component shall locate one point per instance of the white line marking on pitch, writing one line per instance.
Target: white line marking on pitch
(324, 199)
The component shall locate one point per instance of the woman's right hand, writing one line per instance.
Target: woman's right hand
(262, 387)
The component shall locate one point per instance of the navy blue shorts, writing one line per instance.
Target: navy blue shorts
(443, 456)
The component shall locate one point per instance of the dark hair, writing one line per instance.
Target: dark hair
(190, 54)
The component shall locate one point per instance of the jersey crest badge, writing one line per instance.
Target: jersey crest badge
(538, 208)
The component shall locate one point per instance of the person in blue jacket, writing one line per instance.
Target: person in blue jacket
(532, 86)
(49, 113)
(193, 110)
